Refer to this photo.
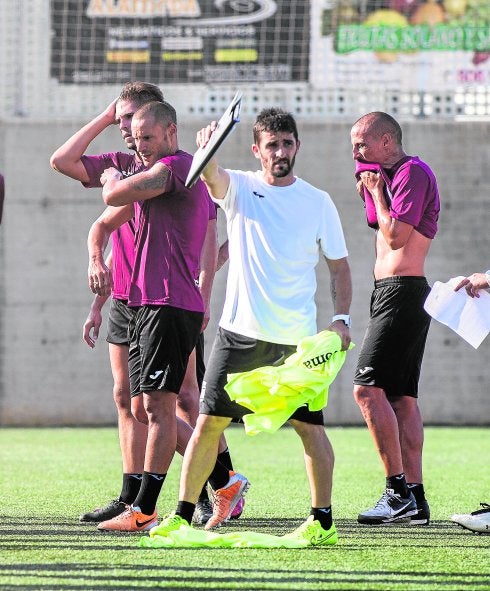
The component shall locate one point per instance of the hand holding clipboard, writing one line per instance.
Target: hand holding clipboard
(223, 129)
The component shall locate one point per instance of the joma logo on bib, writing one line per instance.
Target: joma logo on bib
(318, 360)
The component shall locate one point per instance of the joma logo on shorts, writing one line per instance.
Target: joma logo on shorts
(318, 360)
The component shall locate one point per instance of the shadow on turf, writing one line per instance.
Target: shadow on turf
(180, 578)
(72, 534)
(32, 534)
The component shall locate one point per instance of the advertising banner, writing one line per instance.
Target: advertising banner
(181, 41)
(411, 44)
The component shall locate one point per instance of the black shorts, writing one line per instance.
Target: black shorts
(200, 366)
(233, 353)
(393, 346)
(117, 324)
(161, 338)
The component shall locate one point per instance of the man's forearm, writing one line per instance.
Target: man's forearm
(67, 158)
(223, 255)
(98, 238)
(209, 256)
(341, 287)
(98, 302)
(216, 179)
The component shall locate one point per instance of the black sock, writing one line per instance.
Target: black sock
(225, 458)
(151, 486)
(219, 476)
(130, 487)
(185, 510)
(398, 483)
(418, 491)
(204, 494)
(323, 515)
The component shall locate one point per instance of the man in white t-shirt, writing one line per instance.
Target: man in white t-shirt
(277, 225)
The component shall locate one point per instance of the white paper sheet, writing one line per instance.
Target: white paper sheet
(468, 317)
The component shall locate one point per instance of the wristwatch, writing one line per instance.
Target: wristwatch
(487, 275)
(344, 317)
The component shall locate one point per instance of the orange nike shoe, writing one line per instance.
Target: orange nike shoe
(130, 520)
(227, 498)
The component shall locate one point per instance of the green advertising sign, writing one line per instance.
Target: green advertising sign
(442, 37)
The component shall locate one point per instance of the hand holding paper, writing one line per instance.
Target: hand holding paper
(223, 129)
(468, 317)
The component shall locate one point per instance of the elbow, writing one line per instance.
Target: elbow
(54, 161)
(110, 199)
(395, 243)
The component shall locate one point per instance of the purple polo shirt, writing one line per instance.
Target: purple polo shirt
(411, 193)
(123, 237)
(170, 233)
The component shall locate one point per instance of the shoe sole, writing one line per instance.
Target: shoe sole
(99, 519)
(475, 531)
(419, 521)
(377, 521)
(130, 531)
(96, 521)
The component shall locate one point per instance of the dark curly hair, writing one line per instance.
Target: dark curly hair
(273, 120)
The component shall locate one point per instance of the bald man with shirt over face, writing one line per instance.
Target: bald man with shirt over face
(403, 191)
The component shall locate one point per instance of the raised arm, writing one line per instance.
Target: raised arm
(215, 177)
(67, 158)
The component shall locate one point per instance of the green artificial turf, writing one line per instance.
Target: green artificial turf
(49, 476)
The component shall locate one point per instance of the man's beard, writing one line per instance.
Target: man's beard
(286, 167)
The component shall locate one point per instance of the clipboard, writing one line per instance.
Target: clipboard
(223, 129)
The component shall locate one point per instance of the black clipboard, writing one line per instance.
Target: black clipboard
(225, 126)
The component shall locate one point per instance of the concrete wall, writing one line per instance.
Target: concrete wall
(49, 376)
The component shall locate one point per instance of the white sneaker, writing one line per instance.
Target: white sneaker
(478, 521)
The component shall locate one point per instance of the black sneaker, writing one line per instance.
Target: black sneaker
(422, 517)
(203, 512)
(390, 508)
(113, 509)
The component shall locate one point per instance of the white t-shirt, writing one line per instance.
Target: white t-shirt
(275, 236)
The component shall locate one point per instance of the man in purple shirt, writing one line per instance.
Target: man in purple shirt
(404, 194)
(71, 160)
(171, 223)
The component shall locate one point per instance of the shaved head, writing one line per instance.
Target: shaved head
(378, 123)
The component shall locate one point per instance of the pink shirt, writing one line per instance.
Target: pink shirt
(170, 234)
(410, 191)
(123, 237)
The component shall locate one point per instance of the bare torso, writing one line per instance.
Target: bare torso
(407, 260)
